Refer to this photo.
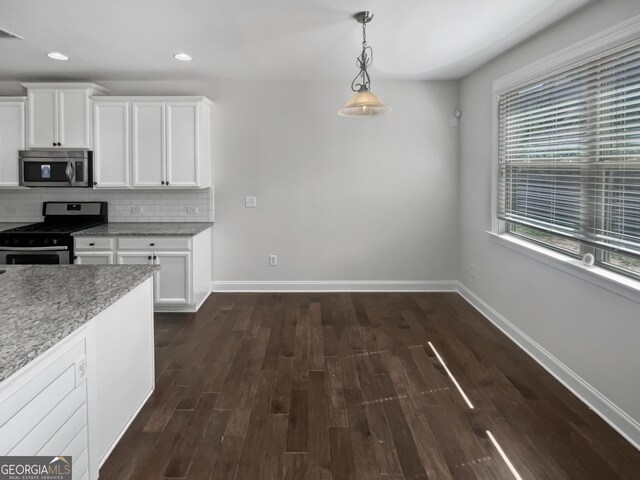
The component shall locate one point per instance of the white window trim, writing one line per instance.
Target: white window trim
(602, 277)
(625, 33)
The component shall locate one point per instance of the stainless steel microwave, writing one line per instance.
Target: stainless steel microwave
(56, 168)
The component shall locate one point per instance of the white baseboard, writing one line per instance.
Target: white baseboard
(596, 401)
(336, 286)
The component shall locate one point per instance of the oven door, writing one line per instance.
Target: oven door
(34, 256)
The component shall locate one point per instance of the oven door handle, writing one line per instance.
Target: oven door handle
(71, 172)
(33, 249)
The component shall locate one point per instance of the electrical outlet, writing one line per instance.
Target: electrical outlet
(250, 202)
(193, 210)
(81, 370)
(273, 260)
(137, 210)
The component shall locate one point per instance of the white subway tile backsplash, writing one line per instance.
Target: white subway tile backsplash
(158, 205)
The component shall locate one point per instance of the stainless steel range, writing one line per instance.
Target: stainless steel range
(50, 242)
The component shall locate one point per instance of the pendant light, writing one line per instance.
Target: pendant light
(364, 103)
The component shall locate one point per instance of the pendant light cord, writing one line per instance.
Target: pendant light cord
(363, 62)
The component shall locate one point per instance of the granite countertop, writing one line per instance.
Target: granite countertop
(145, 229)
(42, 304)
(9, 225)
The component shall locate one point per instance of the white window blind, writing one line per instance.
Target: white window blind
(569, 153)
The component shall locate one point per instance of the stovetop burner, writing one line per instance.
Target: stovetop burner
(41, 242)
(51, 227)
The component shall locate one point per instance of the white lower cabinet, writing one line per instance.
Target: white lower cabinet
(173, 283)
(94, 258)
(184, 279)
(134, 258)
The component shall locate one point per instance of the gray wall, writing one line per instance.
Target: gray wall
(591, 330)
(338, 198)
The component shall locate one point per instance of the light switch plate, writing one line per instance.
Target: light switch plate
(136, 210)
(193, 210)
(250, 202)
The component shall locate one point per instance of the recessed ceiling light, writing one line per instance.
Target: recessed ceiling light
(183, 57)
(57, 56)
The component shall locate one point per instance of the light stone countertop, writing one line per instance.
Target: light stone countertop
(145, 229)
(40, 305)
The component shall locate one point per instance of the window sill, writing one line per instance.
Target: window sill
(612, 281)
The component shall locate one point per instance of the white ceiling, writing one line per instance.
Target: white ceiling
(276, 39)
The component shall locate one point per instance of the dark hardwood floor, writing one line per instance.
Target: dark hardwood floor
(346, 386)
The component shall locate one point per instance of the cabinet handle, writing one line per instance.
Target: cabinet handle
(59, 144)
(152, 244)
(54, 144)
(154, 257)
(166, 183)
(75, 257)
(95, 183)
(149, 257)
(91, 244)
(162, 182)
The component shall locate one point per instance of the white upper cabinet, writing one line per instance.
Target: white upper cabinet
(111, 150)
(149, 151)
(168, 138)
(43, 118)
(182, 144)
(74, 118)
(12, 139)
(60, 114)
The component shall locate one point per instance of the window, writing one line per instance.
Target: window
(569, 160)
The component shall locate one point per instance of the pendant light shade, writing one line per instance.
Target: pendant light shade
(364, 103)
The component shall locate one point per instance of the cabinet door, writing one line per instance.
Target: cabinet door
(182, 144)
(12, 135)
(94, 258)
(43, 118)
(111, 145)
(148, 144)
(173, 282)
(73, 118)
(135, 258)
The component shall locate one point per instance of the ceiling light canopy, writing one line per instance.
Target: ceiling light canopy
(183, 57)
(364, 103)
(57, 56)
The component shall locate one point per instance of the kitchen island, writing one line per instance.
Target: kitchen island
(76, 358)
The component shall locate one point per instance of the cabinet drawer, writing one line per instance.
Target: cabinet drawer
(94, 243)
(154, 243)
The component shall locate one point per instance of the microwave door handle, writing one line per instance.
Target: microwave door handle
(70, 171)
